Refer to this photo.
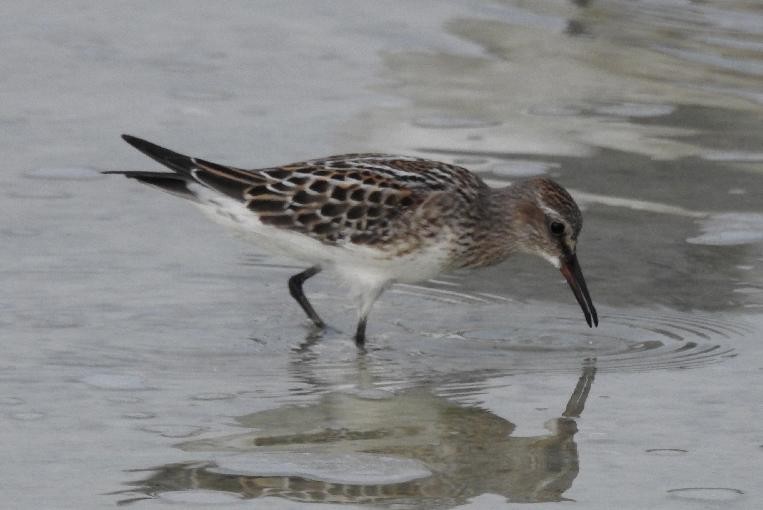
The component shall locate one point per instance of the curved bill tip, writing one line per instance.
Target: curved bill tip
(574, 276)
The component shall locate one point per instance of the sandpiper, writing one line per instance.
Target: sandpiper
(377, 219)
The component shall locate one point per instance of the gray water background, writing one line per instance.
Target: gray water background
(149, 358)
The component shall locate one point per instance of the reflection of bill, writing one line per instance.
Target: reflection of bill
(468, 451)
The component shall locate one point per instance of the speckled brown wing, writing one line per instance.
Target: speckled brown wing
(356, 198)
(332, 205)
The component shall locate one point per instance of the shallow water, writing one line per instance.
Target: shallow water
(152, 360)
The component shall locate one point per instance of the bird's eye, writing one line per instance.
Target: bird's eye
(557, 228)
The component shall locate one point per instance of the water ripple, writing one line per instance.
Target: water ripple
(625, 343)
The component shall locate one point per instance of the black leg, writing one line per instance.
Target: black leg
(367, 300)
(360, 333)
(295, 289)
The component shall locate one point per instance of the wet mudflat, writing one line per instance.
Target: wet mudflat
(151, 359)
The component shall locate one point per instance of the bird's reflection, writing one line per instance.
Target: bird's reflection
(467, 451)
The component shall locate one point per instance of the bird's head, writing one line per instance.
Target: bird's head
(548, 222)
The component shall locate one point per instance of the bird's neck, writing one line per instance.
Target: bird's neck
(493, 237)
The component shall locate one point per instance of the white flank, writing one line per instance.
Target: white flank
(362, 267)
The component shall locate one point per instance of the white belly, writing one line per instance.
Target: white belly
(362, 266)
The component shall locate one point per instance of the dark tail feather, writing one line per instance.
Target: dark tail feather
(171, 183)
(178, 162)
(224, 179)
